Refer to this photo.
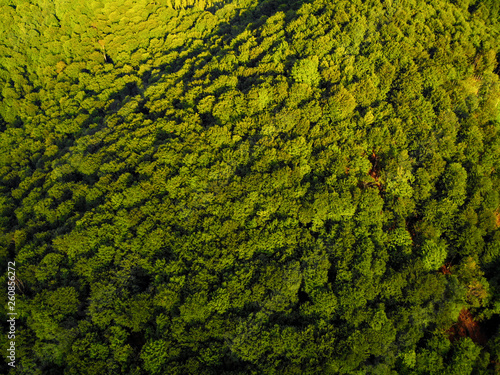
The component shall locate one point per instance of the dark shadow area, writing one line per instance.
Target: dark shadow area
(244, 19)
(139, 280)
(108, 60)
(303, 297)
(472, 8)
(491, 326)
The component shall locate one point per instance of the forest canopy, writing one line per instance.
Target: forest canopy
(251, 186)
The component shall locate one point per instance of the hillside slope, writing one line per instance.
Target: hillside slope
(251, 187)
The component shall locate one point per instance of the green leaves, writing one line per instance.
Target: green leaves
(434, 254)
(248, 186)
(306, 71)
(155, 355)
(341, 104)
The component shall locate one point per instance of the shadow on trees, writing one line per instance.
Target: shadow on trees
(226, 31)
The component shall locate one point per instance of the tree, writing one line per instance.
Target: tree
(306, 71)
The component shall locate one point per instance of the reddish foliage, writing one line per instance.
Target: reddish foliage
(467, 327)
(375, 170)
(446, 269)
(374, 173)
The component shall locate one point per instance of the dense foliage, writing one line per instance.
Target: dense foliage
(251, 187)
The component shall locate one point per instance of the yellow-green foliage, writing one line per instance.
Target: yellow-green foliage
(239, 187)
